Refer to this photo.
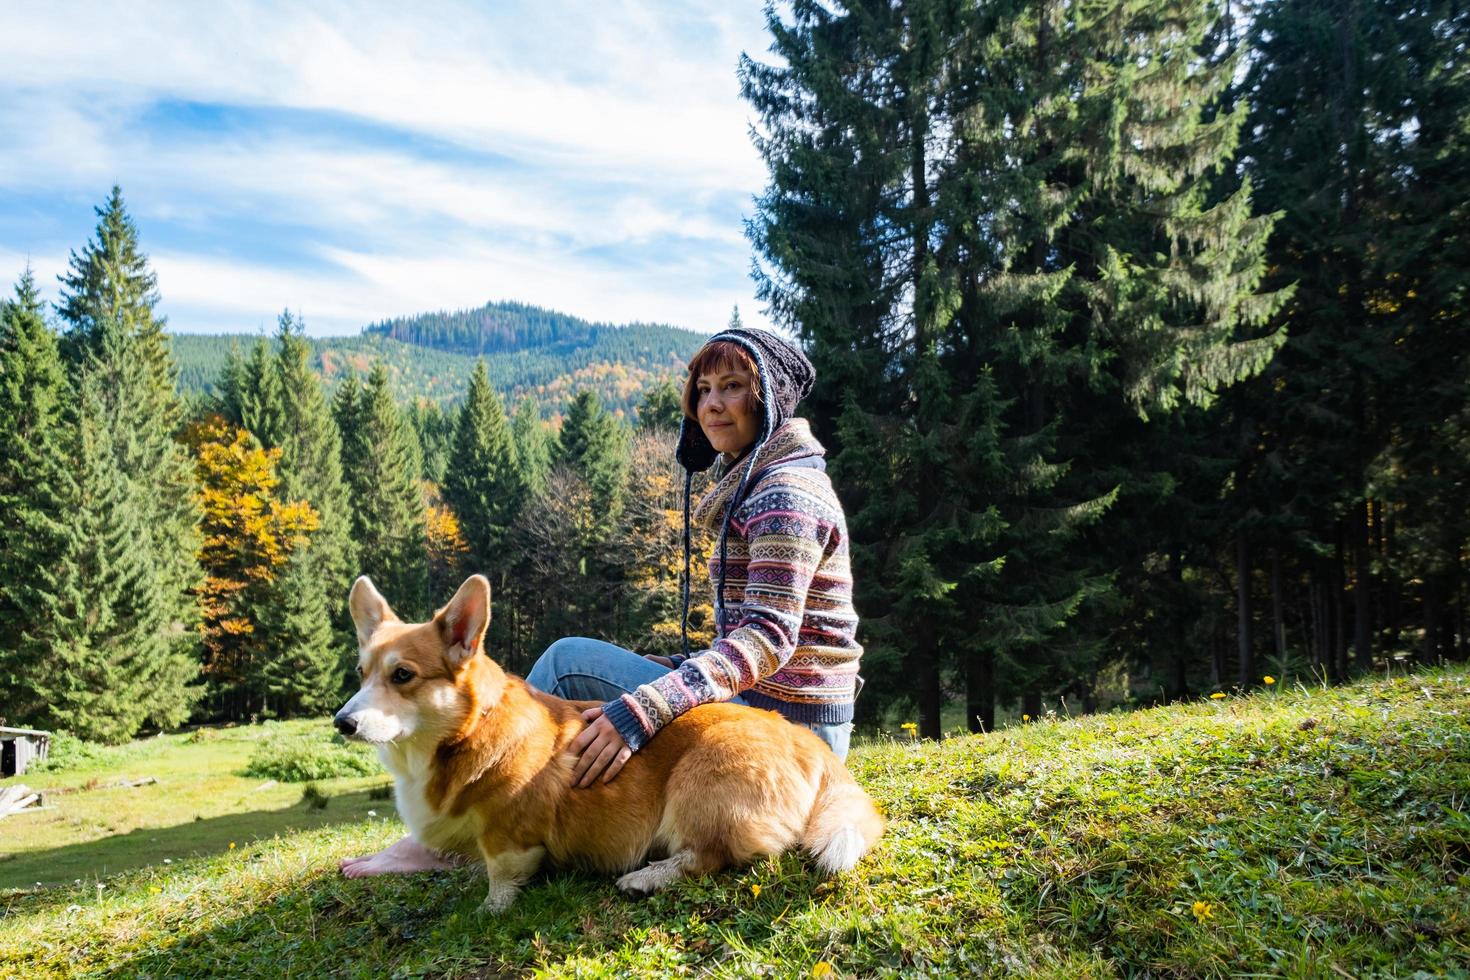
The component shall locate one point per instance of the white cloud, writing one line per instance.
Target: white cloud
(589, 158)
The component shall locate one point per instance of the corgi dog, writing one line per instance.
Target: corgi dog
(482, 767)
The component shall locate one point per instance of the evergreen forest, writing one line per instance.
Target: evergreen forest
(1143, 357)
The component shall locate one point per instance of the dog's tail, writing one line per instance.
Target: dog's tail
(844, 824)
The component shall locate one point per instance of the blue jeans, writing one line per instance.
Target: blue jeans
(582, 669)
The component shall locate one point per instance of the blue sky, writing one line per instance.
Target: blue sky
(354, 161)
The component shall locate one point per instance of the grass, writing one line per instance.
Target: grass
(202, 801)
(1300, 832)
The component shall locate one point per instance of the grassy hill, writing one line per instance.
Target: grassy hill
(426, 361)
(1299, 831)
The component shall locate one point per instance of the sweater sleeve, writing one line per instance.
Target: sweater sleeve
(786, 547)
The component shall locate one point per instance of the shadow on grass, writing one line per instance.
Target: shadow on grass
(430, 924)
(149, 846)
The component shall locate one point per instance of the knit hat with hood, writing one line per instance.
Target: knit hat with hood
(786, 377)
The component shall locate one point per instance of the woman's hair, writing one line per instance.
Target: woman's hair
(720, 355)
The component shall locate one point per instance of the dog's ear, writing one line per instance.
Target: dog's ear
(369, 608)
(462, 623)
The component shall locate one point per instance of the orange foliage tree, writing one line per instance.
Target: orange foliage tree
(248, 536)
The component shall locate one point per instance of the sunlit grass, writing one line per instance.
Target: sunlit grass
(1300, 831)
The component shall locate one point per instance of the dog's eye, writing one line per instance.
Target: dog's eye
(402, 676)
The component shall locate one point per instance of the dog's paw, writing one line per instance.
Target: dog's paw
(636, 884)
(500, 897)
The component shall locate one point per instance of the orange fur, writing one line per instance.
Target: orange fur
(482, 767)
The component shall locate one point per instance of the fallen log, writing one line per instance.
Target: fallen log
(13, 799)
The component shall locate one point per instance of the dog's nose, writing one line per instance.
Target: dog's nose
(345, 724)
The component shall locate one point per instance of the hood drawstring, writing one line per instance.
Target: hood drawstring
(768, 405)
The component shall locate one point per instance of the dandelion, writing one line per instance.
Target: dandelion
(1025, 717)
(755, 890)
(1203, 911)
(168, 860)
(1217, 695)
(232, 845)
(155, 890)
(821, 968)
(372, 813)
(1269, 679)
(911, 728)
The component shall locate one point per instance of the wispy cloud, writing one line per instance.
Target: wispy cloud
(367, 160)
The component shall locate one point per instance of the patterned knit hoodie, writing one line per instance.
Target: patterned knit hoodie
(787, 639)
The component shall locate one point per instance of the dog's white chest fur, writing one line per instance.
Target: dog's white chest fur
(442, 831)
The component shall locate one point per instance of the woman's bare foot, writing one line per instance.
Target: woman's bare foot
(407, 855)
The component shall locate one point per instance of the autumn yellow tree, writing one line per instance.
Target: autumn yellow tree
(444, 541)
(652, 536)
(248, 538)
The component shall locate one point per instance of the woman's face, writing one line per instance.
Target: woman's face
(728, 414)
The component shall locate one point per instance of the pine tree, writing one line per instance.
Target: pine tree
(35, 483)
(381, 466)
(594, 445)
(311, 470)
(533, 446)
(118, 655)
(483, 481)
(999, 225)
(116, 340)
(259, 395)
(110, 283)
(435, 433)
(304, 664)
(661, 406)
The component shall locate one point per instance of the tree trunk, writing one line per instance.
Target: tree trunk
(1362, 591)
(1278, 618)
(980, 692)
(1339, 606)
(1433, 620)
(1031, 702)
(926, 673)
(1245, 641)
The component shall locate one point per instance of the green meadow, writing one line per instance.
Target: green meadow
(1301, 831)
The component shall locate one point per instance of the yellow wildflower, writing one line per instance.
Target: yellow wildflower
(755, 890)
(1025, 717)
(1203, 911)
(155, 890)
(1269, 679)
(821, 968)
(232, 845)
(911, 728)
(1217, 695)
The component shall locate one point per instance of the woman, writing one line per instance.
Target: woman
(784, 619)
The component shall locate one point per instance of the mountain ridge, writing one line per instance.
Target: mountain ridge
(529, 351)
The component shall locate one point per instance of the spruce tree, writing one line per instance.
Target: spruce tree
(35, 484)
(380, 465)
(595, 446)
(661, 406)
(533, 446)
(110, 283)
(259, 395)
(116, 341)
(434, 431)
(1004, 216)
(304, 661)
(483, 481)
(119, 656)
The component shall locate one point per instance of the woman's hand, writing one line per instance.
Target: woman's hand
(599, 749)
(661, 661)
